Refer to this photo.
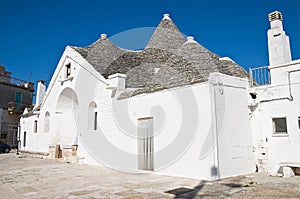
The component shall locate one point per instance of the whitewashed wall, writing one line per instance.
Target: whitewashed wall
(179, 113)
(235, 141)
(34, 141)
(186, 143)
(63, 128)
(273, 102)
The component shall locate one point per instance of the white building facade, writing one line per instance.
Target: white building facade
(173, 108)
(276, 107)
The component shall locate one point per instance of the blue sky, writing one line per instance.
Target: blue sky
(34, 33)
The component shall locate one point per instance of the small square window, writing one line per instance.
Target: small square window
(279, 125)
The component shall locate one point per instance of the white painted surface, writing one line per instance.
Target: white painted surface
(235, 153)
(117, 83)
(40, 93)
(226, 59)
(278, 44)
(185, 141)
(280, 99)
(287, 172)
(200, 131)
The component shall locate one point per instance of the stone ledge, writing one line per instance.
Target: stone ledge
(34, 153)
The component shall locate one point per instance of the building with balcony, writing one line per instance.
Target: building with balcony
(275, 104)
(15, 96)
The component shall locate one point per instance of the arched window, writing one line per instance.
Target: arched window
(92, 116)
(47, 122)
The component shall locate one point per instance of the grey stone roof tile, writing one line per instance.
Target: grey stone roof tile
(166, 37)
(167, 61)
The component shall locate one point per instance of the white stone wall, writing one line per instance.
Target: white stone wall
(280, 99)
(278, 44)
(63, 129)
(230, 148)
(187, 140)
(235, 142)
(34, 141)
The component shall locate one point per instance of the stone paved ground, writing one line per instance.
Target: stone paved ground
(25, 176)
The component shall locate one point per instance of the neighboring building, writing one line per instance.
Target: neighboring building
(275, 103)
(174, 108)
(15, 95)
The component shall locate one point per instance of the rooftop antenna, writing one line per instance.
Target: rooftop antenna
(30, 76)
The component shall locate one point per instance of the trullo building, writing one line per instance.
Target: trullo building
(173, 108)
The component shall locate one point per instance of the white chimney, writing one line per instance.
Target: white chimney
(278, 41)
(117, 83)
(40, 92)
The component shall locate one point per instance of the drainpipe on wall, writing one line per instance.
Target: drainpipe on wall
(290, 86)
(214, 84)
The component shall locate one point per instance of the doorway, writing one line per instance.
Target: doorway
(145, 144)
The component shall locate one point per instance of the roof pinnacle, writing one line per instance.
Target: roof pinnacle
(191, 39)
(167, 16)
(103, 36)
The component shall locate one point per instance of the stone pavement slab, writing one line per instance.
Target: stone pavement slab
(27, 176)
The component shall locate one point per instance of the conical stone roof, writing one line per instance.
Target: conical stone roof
(166, 36)
(168, 60)
(101, 53)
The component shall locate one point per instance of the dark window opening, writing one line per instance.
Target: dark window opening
(253, 95)
(276, 35)
(68, 70)
(299, 122)
(95, 121)
(18, 97)
(3, 136)
(35, 126)
(24, 139)
(279, 125)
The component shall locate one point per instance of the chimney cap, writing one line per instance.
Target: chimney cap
(41, 81)
(276, 15)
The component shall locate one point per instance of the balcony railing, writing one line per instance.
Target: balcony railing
(14, 81)
(15, 107)
(259, 76)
